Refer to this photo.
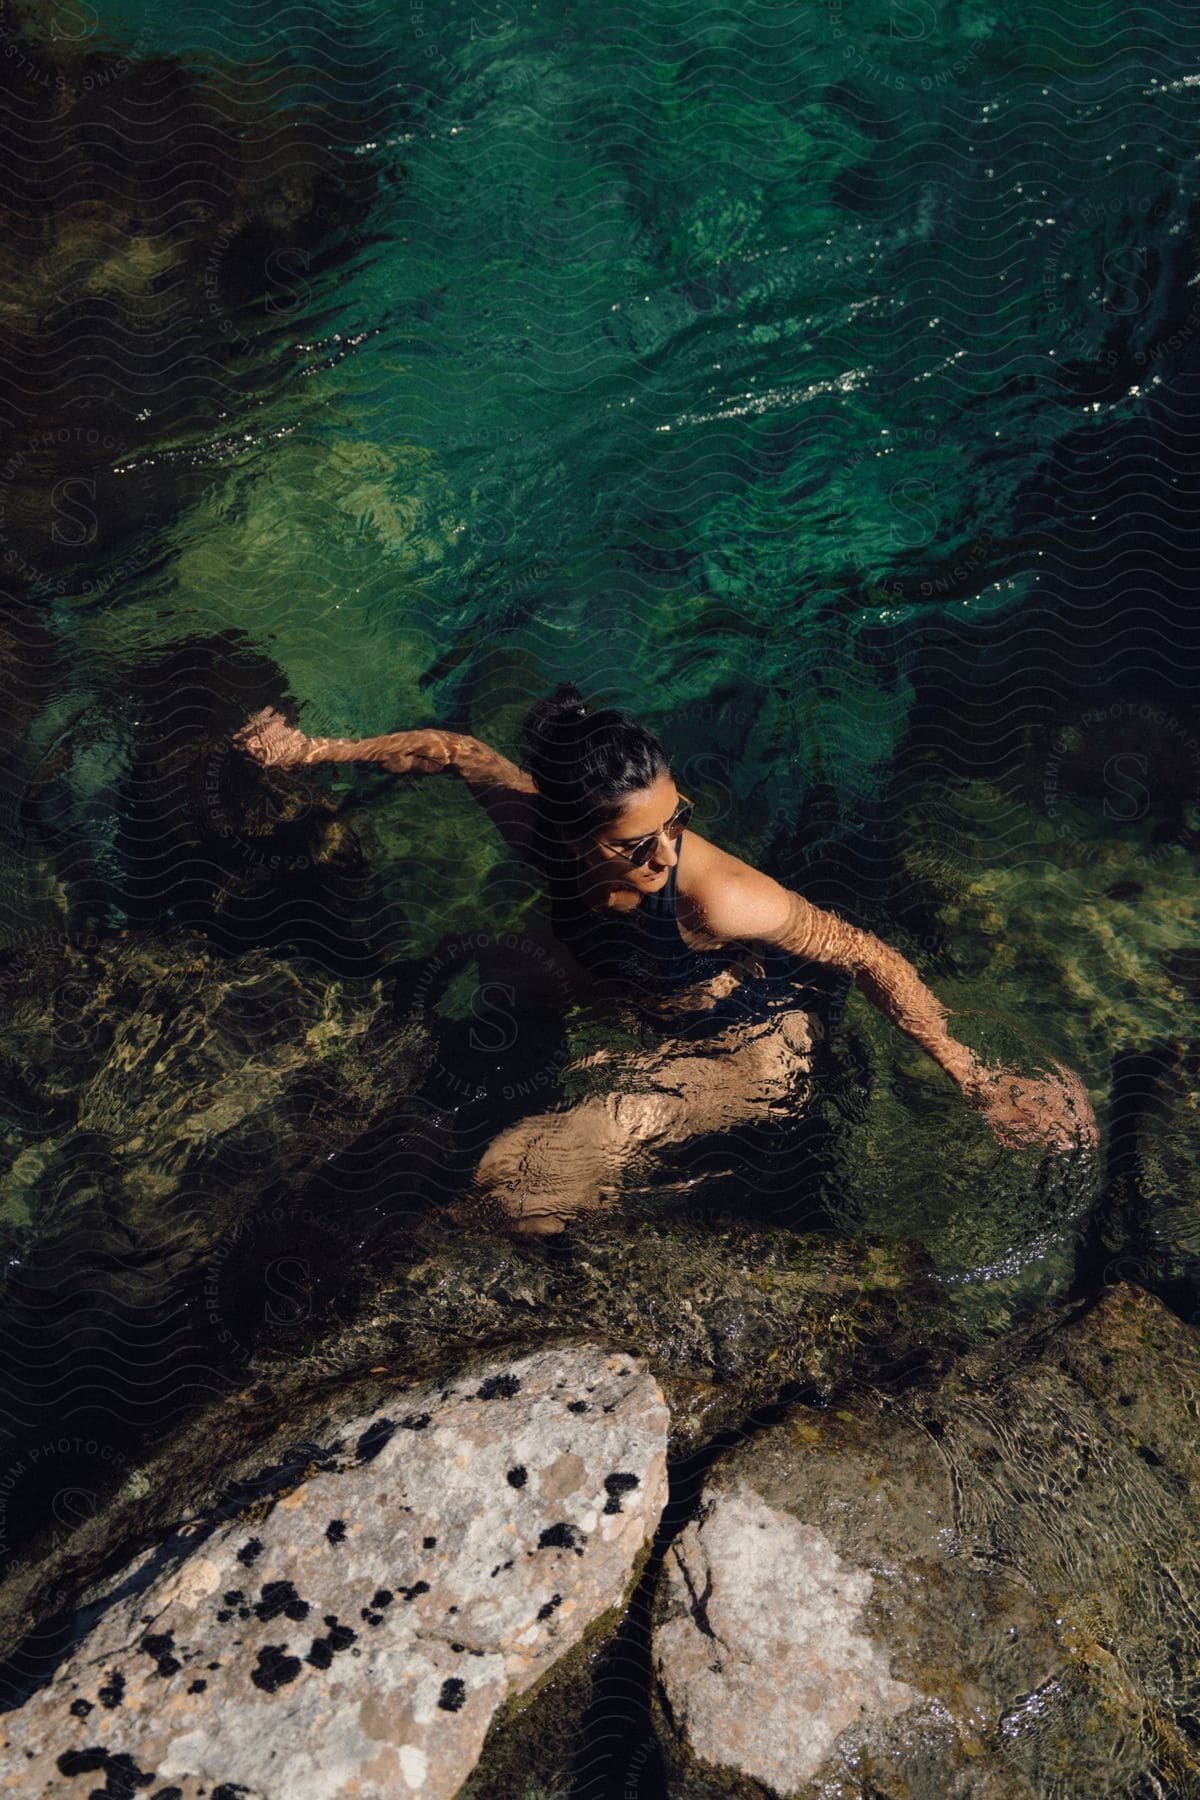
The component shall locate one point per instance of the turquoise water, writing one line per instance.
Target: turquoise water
(813, 382)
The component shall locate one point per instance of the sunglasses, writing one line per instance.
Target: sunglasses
(640, 850)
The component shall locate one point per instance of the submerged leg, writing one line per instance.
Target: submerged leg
(550, 1167)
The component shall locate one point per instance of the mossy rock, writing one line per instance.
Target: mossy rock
(1030, 1528)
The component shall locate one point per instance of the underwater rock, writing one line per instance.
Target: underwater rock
(729, 1314)
(212, 840)
(1016, 1550)
(160, 213)
(164, 1113)
(358, 1632)
(184, 1084)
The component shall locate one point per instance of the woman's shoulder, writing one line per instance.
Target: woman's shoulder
(704, 867)
(731, 897)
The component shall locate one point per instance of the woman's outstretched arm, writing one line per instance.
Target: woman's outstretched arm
(739, 902)
(504, 790)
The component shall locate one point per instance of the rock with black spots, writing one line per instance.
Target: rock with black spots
(295, 1661)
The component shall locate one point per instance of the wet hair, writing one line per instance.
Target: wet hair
(586, 764)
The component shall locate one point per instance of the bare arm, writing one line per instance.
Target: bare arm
(505, 791)
(737, 901)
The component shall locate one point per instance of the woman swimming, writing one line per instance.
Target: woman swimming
(652, 910)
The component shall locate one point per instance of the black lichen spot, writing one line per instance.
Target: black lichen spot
(624, 1371)
(615, 1486)
(545, 1611)
(429, 1543)
(274, 1668)
(122, 1776)
(374, 1439)
(81, 1708)
(159, 1645)
(382, 1597)
(415, 1422)
(335, 1531)
(499, 1387)
(229, 1790)
(223, 1615)
(168, 1793)
(577, 1406)
(214, 1665)
(323, 1650)
(243, 1612)
(371, 1618)
(82, 1762)
(561, 1536)
(518, 1477)
(234, 1597)
(250, 1551)
(113, 1691)
(499, 1566)
(280, 1597)
(418, 1587)
(453, 1694)
(198, 1686)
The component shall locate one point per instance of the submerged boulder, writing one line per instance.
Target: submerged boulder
(165, 1112)
(729, 1314)
(357, 1632)
(984, 1589)
(158, 1089)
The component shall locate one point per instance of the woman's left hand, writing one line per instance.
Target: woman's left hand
(1052, 1110)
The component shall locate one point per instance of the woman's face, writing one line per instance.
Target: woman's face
(643, 815)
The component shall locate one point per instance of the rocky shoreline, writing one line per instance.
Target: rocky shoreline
(954, 1590)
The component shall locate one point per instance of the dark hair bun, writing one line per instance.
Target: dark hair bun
(585, 763)
(543, 725)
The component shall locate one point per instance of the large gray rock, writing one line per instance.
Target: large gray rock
(358, 1639)
(986, 1590)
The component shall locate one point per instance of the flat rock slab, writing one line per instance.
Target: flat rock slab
(982, 1590)
(764, 1660)
(358, 1639)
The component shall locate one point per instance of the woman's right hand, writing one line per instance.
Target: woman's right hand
(270, 740)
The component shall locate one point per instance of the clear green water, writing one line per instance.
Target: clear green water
(814, 382)
(819, 384)
(729, 362)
